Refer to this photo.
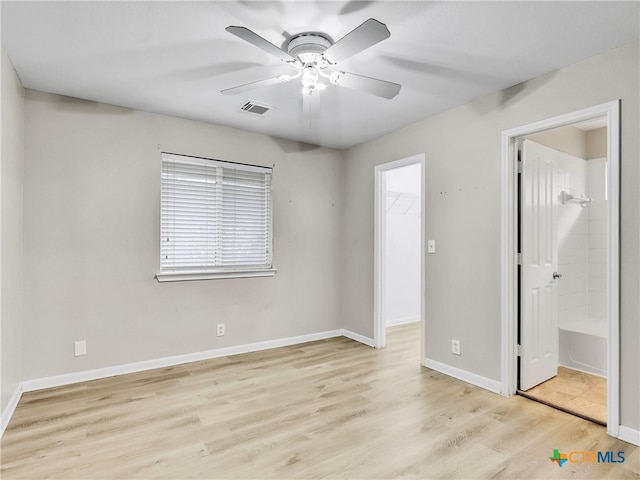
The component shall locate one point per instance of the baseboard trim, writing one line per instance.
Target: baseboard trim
(11, 407)
(629, 435)
(477, 380)
(358, 338)
(70, 378)
(625, 434)
(402, 321)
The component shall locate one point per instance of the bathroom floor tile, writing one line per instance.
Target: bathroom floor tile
(579, 393)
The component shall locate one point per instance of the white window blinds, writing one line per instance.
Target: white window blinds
(215, 216)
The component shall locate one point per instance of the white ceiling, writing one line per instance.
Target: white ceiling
(175, 57)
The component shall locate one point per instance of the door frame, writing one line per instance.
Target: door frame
(379, 327)
(509, 223)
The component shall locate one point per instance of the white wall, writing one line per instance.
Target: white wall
(11, 181)
(567, 139)
(402, 273)
(463, 206)
(596, 143)
(91, 236)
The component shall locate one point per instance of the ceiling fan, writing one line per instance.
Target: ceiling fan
(315, 57)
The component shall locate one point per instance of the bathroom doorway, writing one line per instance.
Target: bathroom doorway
(519, 340)
(563, 272)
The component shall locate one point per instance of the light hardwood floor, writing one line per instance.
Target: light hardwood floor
(327, 409)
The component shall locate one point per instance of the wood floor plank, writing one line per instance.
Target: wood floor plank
(327, 409)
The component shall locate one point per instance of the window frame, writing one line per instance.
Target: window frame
(208, 272)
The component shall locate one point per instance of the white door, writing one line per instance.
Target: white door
(539, 248)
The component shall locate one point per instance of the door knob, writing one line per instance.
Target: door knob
(556, 275)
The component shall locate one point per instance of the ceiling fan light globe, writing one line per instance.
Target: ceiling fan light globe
(335, 78)
(309, 77)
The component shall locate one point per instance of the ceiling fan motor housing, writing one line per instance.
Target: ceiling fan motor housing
(308, 47)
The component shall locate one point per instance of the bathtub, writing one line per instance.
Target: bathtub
(583, 346)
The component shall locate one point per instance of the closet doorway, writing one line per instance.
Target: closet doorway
(399, 266)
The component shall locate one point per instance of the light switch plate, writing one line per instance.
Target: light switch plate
(431, 246)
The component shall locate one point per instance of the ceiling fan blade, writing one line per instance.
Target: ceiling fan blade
(360, 38)
(256, 40)
(374, 86)
(260, 83)
(354, 6)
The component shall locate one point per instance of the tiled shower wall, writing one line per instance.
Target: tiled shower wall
(573, 243)
(582, 238)
(597, 216)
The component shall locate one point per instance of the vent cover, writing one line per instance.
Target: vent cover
(255, 108)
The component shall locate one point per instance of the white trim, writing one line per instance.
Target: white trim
(186, 276)
(625, 433)
(509, 219)
(191, 160)
(508, 267)
(11, 407)
(379, 327)
(403, 321)
(358, 338)
(69, 378)
(464, 375)
(629, 435)
(379, 241)
(613, 283)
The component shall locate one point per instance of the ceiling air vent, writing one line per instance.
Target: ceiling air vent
(255, 108)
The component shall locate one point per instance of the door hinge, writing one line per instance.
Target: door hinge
(519, 166)
(519, 350)
(519, 258)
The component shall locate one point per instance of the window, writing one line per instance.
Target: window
(216, 219)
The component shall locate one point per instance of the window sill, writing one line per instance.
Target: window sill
(187, 276)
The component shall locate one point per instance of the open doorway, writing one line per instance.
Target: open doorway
(545, 234)
(570, 298)
(399, 248)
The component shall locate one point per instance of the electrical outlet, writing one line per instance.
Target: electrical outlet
(220, 331)
(80, 348)
(455, 347)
